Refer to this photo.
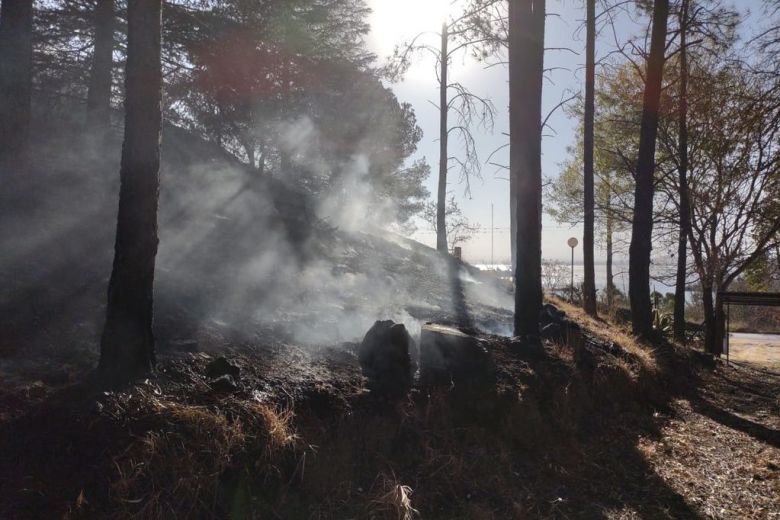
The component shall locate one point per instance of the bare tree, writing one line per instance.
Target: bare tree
(458, 230)
(642, 225)
(470, 108)
(441, 193)
(16, 18)
(704, 28)
(526, 74)
(733, 184)
(127, 344)
(99, 92)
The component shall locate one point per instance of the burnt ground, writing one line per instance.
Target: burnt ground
(561, 435)
(720, 449)
(579, 431)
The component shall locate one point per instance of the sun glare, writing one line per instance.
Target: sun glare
(396, 21)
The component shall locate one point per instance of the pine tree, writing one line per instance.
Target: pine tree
(16, 18)
(127, 344)
(642, 224)
(99, 93)
(526, 71)
(589, 289)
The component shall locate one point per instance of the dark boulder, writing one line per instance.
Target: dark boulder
(224, 384)
(388, 358)
(552, 332)
(550, 314)
(222, 367)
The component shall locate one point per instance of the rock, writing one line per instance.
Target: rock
(388, 358)
(224, 384)
(221, 367)
(552, 332)
(563, 332)
(527, 347)
(449, 355)
(551, 314)
(572, 334)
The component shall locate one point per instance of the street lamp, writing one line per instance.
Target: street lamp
(572, 244)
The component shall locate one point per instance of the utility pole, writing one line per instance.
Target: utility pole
(492, 263)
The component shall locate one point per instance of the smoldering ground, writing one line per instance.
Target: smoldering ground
(240, 255)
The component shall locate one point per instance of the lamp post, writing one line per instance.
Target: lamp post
(572, 242)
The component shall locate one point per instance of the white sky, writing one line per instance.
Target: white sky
(396, 21)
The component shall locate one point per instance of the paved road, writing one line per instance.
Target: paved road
(762, 349)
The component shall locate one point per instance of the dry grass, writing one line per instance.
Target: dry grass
(173, 470)
(610, 331)
(393, 500)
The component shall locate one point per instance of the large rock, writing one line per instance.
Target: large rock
(224, 384)
(451, 356)
(551, 314)
(222, 367)
(388, 358)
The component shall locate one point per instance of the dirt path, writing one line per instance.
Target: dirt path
(761, 349)
(720, 450)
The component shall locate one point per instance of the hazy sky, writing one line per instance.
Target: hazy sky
(395, 21)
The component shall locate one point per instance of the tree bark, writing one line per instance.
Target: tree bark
(16, 18)
(610, 275)
(720, 322)
(526, 70)
(127, 344)
(713, 319)
(441, 202)
(513, 222)
(589, 286)
(99, 93)
(642, 224)
(685, 219)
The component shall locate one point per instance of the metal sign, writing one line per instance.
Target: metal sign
(572, 244)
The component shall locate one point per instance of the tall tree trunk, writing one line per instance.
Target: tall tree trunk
(127, 344)
(16, 18)
(714, 318)
(285, 163)
(589, 286)
(610, 275)
(720, 323)
(513, 222)
(708, 305)
(642, 225)
(441, 202)
(99, 93)
(526, 70)
(685, 218)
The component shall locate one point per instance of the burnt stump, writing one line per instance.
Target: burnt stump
(450, 356)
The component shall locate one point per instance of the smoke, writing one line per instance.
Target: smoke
(241, 255)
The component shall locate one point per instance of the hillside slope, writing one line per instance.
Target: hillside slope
(254, 281)
(240, 255)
